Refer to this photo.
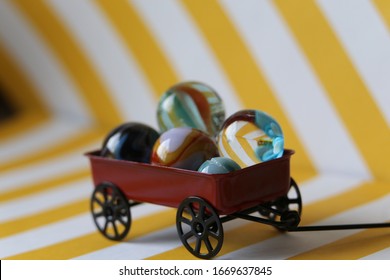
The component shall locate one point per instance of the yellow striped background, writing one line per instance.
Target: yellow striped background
(75, 69)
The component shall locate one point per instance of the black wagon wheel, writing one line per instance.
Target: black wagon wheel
(291, 202)
(199, 227)
(110, 211)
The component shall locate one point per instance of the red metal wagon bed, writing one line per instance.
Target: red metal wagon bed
(263, 193)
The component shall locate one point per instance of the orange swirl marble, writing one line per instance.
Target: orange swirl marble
(183, 147)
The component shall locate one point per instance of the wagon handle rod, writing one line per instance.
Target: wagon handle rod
(254, 219)
(244, 215)
(287, 225)
(339, 227)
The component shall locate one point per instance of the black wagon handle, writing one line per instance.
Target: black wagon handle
(339, 227)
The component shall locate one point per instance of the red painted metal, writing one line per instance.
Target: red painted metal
(168, 186)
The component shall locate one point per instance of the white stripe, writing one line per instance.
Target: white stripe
(60, 231)
(186, 48)
(364, 35)
(46, 236)
(326, 185)
(288, 245)
(255, 134)
(149, 245)
(380, 255)
(74, 161)
(45, 200)
(40, 65)
(298, 90)
(139, 248)
(116, 65)
(44, 136)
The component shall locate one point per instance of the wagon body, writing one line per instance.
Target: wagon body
(263, 193)
(167, 186)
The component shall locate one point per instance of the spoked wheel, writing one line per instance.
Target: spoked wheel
(292, 201)
(199, 228)
(289, 205)
(110, 211)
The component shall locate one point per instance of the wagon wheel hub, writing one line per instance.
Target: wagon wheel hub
(198, 228)
(110, 212)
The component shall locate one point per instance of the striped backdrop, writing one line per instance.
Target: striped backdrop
(75, 69)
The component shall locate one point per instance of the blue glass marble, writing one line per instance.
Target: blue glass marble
(219, 165)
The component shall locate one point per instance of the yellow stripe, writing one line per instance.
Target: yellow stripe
(254, 233)
(383, 7)
(23, 95)
(95, 241)
(17, 86)
(245, 76)
(140, 41)
(31, 222)
(82, 140)
(80, 69)
(19, 124)
(40, 186)
(346, 90)
(231, 153)
(353, 247)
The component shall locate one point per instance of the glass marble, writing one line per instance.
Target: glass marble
(219, 165)
(130, 141)
(191, 104)
(249, 137)
(183, 147)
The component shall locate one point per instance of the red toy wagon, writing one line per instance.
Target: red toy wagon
(263, 193)
(203, 201)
